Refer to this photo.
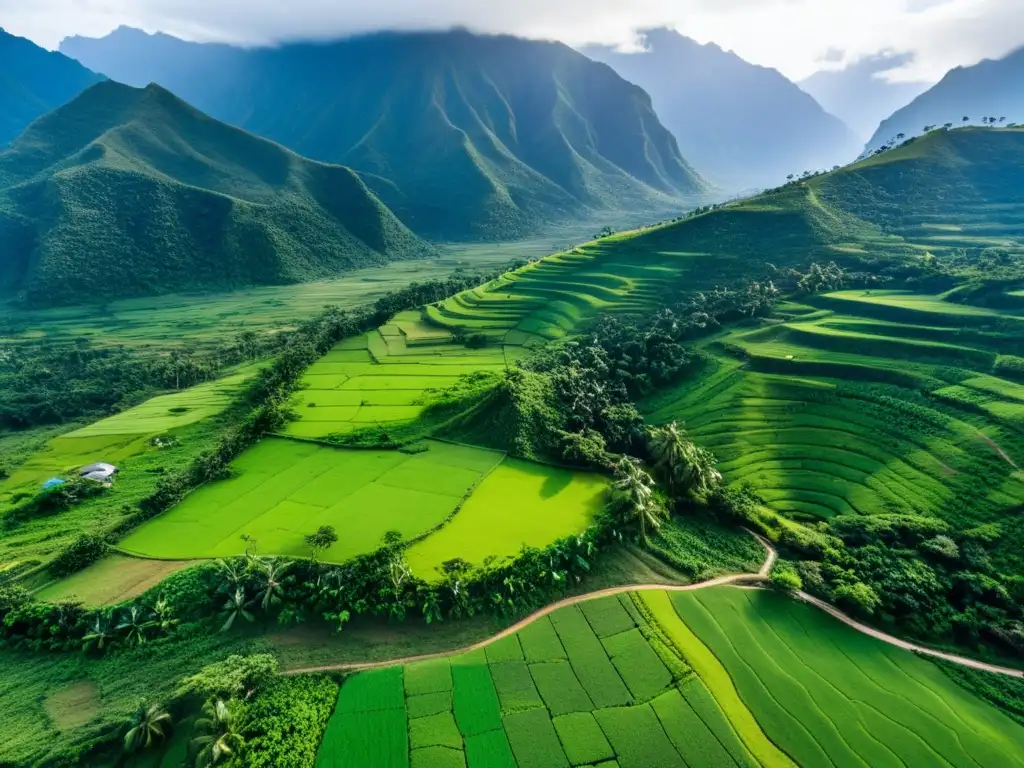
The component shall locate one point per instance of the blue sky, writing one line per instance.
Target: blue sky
(797, 37)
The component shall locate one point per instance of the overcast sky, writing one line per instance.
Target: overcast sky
(797, 37)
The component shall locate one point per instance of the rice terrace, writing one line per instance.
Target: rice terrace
(435, 399)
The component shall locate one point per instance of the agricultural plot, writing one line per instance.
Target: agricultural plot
(112, 580)
(389, 375)
(862, 413)
(550, 695)
(519, 504)
(285, 489)
(828, 695)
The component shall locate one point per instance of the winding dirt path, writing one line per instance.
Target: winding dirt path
(742, 579)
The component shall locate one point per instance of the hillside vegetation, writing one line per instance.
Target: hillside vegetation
(33, 81)
(463, 136)
(128, 192)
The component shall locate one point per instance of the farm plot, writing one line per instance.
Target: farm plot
(828, 695)
(841, 415)
(112, 580)
(285, 489)
(519, 504)
(550, 695)
(388, 376)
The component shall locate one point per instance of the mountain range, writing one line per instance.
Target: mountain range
(126, 192)
(858, 94)
(991, 88)
(741, 125)
(34, 81)
(463, 136)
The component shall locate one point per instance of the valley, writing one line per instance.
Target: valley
(418, 462)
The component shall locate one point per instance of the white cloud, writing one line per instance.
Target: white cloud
(794, 36)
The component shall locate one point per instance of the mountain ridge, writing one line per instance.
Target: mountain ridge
(744, 126)
(91, 192)
(33, 81)
(990, 88)
(463, 136)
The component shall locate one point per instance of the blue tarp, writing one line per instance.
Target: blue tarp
(53, 482)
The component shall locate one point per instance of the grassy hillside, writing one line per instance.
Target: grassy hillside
(33, 81)
(463, 136)
(128, 192)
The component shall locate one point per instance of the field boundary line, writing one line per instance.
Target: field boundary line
(740, 580)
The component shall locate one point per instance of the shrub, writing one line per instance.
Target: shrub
(83, 551)
(786, 578)
(858, 598)
(234, 676)
(284, 724)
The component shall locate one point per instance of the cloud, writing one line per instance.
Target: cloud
(796, 36)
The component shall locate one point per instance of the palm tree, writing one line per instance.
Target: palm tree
(148, 727)
(236, 605)
(101, 633)
(637, 488)
(684, 465)
(271, 586)
(219, 737)
(233, 571)
(134, 625)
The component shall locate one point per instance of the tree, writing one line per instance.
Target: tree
(219, 737)
(236, 606)
(900, 136)
(637, 502)
(668, 446)
(271, 587)
(323, 538)
(101, 633)
(148, 727)
(967, 119)
(685, 466)
(135, 625)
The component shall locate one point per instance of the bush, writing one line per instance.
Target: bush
(82, 552)
(234, 676)
(785, 577)
(858, 598)
(284, 724)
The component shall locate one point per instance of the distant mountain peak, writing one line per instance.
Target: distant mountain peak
(463, 135)
(742, 125)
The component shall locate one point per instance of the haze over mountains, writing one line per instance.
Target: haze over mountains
(460, 135)
(742, 125)
(33, 81)
(858, 96)
(128, 192)
(991, 88)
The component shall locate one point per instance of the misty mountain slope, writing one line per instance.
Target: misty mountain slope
(463, 136)
(33, 81)
(741, 125)
(858, 97)
(991, 88)
(128, 191)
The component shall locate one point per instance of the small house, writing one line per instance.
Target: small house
(101, 472)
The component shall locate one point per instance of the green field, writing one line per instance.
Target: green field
(111, 580)
(282, 490)
(582, 687)
(853, 413)
(519, 504)
(722, 677)
(828, 695)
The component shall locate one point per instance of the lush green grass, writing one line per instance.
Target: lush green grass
(518, 504)
(826, 694)
(283, 490)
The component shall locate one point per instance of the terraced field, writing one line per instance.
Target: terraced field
(282, 490)
(720, 677)
(388, 375)
(853, 411)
